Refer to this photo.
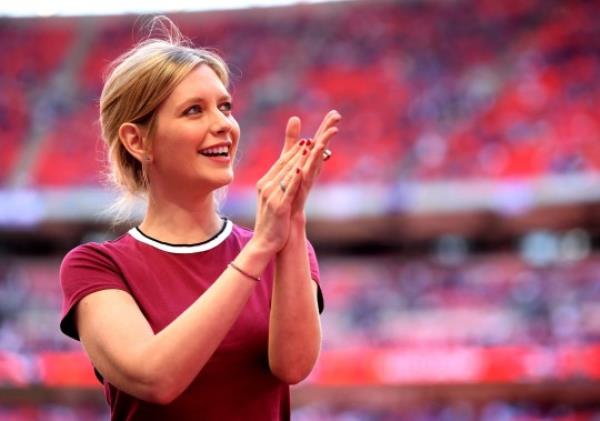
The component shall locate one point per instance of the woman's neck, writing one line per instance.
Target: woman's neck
(187, 221)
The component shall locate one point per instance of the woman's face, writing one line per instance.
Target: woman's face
(196, 136)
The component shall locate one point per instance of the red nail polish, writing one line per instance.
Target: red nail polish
(302, 142)
(297, 170)
(309, 142)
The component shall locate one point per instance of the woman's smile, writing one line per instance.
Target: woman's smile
(220, 153)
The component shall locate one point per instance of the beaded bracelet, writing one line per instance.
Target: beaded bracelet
(244, 272)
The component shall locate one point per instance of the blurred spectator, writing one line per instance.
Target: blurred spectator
(428, 90)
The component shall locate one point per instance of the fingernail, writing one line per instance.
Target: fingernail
(305, 151)
(297, 170)
(309, 142)
(302, 142)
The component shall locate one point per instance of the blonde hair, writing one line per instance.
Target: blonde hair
(136, 85)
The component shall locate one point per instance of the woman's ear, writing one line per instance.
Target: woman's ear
(132, 137)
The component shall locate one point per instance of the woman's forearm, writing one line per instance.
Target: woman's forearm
(295, 329)
(159, 367)
(199, 330)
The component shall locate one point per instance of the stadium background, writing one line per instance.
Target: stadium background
(456, 224)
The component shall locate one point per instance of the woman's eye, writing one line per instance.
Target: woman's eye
(194, 109)
(226, 106)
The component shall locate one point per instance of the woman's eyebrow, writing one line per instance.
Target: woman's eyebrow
(197, 99)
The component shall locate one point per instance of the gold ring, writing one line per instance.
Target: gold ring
(327, 154)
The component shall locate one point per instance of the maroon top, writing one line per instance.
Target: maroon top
(164, 279)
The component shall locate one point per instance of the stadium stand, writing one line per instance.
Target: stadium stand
(428, 91)
(32, 53)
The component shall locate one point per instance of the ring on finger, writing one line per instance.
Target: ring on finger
(282, 186)
(327, 154)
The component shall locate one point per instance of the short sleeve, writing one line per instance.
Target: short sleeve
(85, 269)
(315, 274)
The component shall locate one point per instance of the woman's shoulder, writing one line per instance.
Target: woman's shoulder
(94, 249)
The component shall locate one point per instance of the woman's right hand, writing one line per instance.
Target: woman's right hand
(276, 192)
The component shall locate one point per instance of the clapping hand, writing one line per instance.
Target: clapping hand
(283, 190)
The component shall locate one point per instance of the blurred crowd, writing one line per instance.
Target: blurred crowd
(459, 411)
(499, 299)
(428, 90)
(545, 294)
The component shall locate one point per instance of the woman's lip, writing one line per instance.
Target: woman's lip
(224, 159)
(218, 145)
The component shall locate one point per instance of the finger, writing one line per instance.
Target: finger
(305, 153)
(295, 163)
(283, 160)
(306, 184)
(332, 120)
(295, 168)
(273, 186)
(324, 137)
(300, 161)
(324, 122)
(308, 177)
(332, 117)
(315, 159)
(293, 186)
(292, 132)
(316, 151)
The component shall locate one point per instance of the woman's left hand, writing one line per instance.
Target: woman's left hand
(315, 148)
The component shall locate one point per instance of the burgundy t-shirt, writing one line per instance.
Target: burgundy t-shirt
(164, 279)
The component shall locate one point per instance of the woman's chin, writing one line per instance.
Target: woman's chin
(223, 181)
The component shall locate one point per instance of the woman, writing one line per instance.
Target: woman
(189, 316)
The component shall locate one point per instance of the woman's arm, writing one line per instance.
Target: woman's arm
(158, 367)
(295, 327)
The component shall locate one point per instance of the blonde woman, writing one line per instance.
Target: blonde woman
(189, 316)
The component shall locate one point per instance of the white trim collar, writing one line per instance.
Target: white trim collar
(185, 248)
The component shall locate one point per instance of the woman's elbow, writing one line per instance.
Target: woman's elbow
(290, 367)
(292, 378)
(161, 396)
(155, 387)
(291, 374)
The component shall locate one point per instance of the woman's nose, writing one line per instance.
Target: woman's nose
(220, 122)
